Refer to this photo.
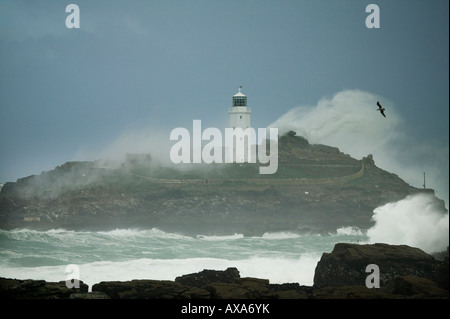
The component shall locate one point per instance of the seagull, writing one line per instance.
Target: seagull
(381, 109)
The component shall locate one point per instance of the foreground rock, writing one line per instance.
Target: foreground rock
(149, 289)
(404, 272)
(346, 264)
(207, 276)
(207, 284)
(37, 289)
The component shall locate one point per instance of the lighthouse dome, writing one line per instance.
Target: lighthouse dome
(239, 93)
(239, 99)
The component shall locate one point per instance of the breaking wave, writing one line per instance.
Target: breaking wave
(126, 254)
(415, 221)
(349, 231)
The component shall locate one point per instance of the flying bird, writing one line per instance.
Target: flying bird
(381, 109)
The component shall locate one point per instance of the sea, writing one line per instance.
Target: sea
(281, 257)
(126, 254)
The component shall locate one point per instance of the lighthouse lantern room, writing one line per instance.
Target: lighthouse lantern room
(239, 113)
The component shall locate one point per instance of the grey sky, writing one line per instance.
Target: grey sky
(157, 65)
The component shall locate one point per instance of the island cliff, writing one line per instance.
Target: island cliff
(317, 188)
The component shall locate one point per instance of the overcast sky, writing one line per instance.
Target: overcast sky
(137, 68)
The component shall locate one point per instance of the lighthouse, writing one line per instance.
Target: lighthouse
(239, 121)
(240, 141)
(239, 113)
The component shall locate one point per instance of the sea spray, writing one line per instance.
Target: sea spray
(349, 230)
(414, 221)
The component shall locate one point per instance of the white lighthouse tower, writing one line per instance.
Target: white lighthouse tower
(239, 115)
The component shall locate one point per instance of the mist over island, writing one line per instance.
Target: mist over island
(316, 189)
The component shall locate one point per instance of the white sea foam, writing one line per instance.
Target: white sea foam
(149, 233)
(415, 221)
(267, 236)
(349, 231)
(219, 238)
(277, 270)
(126, 254)
(280, 235)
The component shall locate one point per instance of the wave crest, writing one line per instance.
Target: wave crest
(415, 221)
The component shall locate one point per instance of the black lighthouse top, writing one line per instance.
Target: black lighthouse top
(239, 99)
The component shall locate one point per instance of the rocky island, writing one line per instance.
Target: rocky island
(317, 188)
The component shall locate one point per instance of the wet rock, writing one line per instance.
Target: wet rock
(37, 289)
(149, 289)
(291, 291)
(208, 276)
(414, 287)
(351, 292)
(442, 272)
(89, 295)
(346, 264)
(241, 288)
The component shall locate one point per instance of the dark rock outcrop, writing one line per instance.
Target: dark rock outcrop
(442, 272)
(37, 289)
(208, 276)
(149, 289)
(413, 286)
(404, 272)
(241, 288)
(346, 264)
(209, 284)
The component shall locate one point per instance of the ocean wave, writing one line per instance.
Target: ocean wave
(281, 235)
(276, 270)
(266, 236)
(220, 237)
(126, 254)
(417, 220)
(120, 233)
(349, 231)
(22, 234)
(129, 233)
(133, 232)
